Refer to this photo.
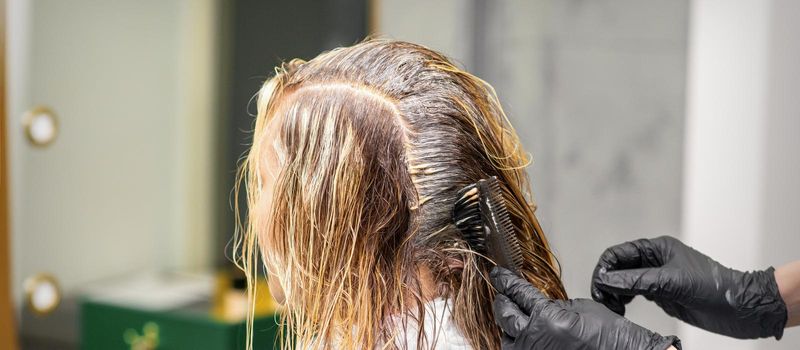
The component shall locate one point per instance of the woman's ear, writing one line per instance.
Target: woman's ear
(275, 290)
(454, 264)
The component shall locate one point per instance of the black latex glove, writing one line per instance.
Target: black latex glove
(530, 320)
(691, 287)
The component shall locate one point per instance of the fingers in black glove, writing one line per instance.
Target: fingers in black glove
(690, 286)
(519, 290)
(530, 320)
(629, 255)
(509, 316)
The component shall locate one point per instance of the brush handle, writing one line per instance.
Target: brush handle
(501, 239)
(496, 252)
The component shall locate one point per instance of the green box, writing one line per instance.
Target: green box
(103, 327)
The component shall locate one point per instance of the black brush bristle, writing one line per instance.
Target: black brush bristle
(467, 218)
(480, 214)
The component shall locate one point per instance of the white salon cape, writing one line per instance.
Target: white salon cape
(441, 332)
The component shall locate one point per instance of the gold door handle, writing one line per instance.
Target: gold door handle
(42, 293)
(41, 126)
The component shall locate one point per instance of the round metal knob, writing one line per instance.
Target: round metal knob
(41, 126)
(42, 293)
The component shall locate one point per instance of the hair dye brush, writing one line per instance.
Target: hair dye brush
(480, 214)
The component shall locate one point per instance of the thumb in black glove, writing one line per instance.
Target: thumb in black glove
(692, 287)
(530, 320)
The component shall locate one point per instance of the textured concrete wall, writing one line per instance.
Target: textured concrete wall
(607, 128)
(596, 91)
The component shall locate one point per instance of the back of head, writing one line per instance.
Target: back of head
(371, 144)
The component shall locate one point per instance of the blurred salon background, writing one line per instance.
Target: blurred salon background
(123, 121)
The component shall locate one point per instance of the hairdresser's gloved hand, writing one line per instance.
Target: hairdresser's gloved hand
(530, 320)
(692, 287)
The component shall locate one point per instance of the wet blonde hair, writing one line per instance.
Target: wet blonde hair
(374, 141)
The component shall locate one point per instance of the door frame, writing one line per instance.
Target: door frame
(7, 323)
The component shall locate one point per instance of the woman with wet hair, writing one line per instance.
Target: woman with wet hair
(356, 160)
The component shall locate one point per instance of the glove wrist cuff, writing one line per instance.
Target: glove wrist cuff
(772, 309)
(662, 343)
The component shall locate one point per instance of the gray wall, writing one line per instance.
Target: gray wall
(606, 129)
(596, 91)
